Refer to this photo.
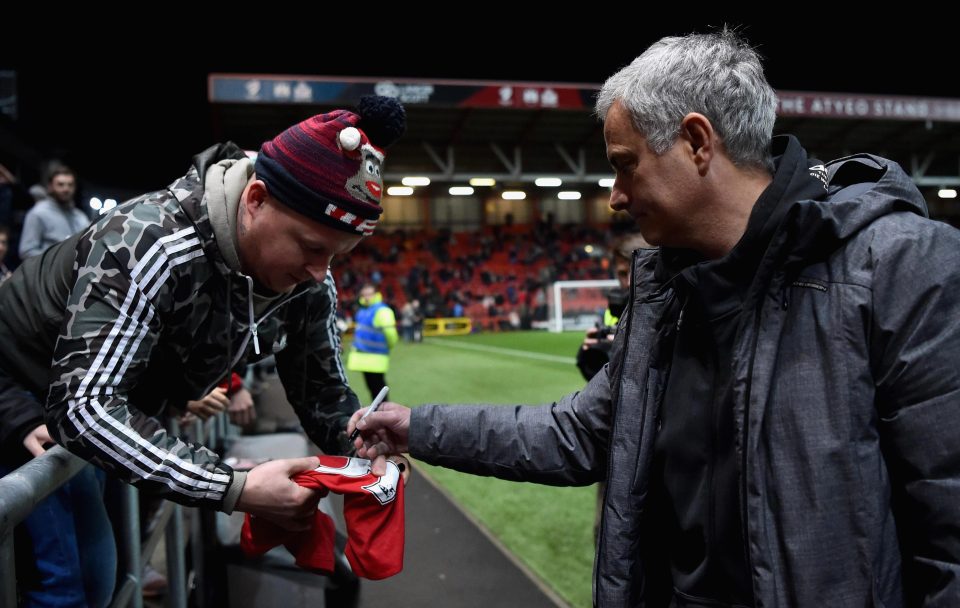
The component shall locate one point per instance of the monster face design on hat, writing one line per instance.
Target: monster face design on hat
(366, 185)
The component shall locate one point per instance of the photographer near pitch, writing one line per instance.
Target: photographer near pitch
(594, 353)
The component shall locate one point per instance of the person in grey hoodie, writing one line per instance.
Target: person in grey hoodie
(779, 424)
(54, 218)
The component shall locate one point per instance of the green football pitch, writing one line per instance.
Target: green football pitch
(549, 529)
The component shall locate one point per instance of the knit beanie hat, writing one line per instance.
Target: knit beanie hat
(328, 167)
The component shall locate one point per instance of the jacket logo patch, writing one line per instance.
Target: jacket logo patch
(819, 172)
(809, 284)
(279, 345)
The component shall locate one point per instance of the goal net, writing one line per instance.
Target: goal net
(578, 305)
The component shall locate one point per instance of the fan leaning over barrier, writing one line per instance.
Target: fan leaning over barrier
(163, 297)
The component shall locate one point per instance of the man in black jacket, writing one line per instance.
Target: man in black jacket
(780, 421)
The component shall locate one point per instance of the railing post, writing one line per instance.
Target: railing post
(8, 572)
(130, 512)
(196, 550)
(176, 572)
(196, 533)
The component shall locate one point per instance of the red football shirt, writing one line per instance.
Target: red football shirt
(372, 508)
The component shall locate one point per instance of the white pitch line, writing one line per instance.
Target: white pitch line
(502, 351)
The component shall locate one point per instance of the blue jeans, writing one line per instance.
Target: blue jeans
(74, 554)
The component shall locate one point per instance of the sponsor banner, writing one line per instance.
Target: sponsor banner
(867, 107)
(254, 89)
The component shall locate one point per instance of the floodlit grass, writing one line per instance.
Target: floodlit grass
(549, 529)
(561, 344)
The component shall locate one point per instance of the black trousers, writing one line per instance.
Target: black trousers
(375, 382)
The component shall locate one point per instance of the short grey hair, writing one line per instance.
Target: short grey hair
(718, 75)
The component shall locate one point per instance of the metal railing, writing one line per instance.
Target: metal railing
(24, 488)
(20, 492)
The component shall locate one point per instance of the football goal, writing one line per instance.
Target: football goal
(578, 305)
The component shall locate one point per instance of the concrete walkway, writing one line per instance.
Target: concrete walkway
(449, 561)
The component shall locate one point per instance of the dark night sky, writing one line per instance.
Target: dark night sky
(130, 109)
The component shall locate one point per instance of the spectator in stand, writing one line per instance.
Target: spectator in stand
(9, 189)
(55, 218)
(4, 244)
(417, 321)
(406, 321)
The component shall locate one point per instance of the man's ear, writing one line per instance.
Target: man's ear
(701, 139)
(254, 197)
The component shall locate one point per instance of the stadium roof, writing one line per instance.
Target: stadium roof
(518, 131)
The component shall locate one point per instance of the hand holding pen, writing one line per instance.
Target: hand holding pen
(373, 407)
(380, 433)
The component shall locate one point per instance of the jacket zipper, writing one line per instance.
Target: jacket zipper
(254, 323)
(623, 359)
(745, 528)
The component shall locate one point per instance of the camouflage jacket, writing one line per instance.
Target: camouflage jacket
(139, 312)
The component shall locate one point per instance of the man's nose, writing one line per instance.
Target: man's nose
(617, 195)
(318, 272)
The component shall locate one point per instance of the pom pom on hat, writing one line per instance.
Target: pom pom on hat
(329, 166)
(350, 139)
(382, 119)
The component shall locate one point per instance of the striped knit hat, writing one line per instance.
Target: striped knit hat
(328, 167)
